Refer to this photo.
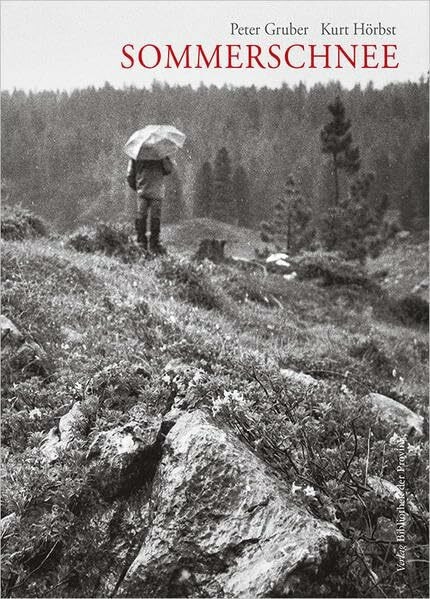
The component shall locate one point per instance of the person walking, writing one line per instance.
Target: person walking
(147, 178)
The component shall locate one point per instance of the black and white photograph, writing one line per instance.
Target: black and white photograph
(214, 299)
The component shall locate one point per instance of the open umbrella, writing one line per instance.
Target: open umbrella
(154, 142)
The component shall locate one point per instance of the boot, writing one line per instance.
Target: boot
(141, 232)
(154, 243)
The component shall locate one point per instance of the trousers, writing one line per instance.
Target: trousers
(149, 209)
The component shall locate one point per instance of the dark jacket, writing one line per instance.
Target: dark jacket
(147, 177)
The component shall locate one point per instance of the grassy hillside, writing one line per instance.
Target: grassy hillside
(116, 333)
(185, 236)
(406, 262)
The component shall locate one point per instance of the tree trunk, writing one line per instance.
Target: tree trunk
(336, 181)
(211, 249)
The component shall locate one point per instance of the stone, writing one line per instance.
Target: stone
(73, 426)
(223, 525)
(31, 359)
(276, 257)
(388, 491)
(422, 289)
(9, 332)
(291, 276)
(396, 414)
(7, 524)
(211, 249)
(299, 378)
(126, 456)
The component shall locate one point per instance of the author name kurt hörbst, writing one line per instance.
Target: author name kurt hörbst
(326, 28)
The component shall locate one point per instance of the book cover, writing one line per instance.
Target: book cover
(214, 298)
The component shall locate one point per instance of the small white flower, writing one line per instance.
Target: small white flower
(394, 373)
(166, 378)
(295, 488)
(309, 491)
(198, 376)
(185, 575)
(395, 439)
(415, 450)
(35, 413)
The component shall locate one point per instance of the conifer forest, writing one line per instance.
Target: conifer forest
(63, 152)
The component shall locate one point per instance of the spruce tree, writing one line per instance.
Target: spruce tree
(336, 140)
(222, 204)
(359, 221)
(289, 228)
(203, 191)
(241, 195)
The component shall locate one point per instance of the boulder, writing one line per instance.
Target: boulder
(72, 427)
(31, 359)
(211, 249)
(276, 257)
(126, 457)
(299, 378)
(396, 414)
(9, 332)
(223, 525)
(387, 490)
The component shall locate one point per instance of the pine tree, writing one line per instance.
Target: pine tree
(336, 141)
(241, 195)
(358, 220)
(203, 190)
(289, 228)
(222, 189)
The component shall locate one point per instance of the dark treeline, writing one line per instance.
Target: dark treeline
(62, 153)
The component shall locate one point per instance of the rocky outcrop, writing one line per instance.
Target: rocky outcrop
(396, 414)
(72, 427)
(24, 355)
(9, 332)
(222, 525)
(299, 378)
(125, 457)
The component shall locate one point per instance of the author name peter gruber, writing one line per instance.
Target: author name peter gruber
(326, 28)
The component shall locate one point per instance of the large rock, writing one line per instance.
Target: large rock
(396, 414)
(125, 457)
(31, 359)
(72, 427)
(9, 332)
(223, 526)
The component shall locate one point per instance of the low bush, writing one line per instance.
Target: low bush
(411, 309)
(326, 446)
(332, 269)
(112, 240)
(191, 281)
(18, 223)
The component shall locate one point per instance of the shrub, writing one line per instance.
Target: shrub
(17, 224)
(191, 281)
(372, 351)
(325, 445)
(332, 269)
(411, 309)
(112, 240)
